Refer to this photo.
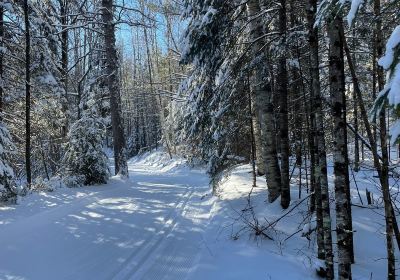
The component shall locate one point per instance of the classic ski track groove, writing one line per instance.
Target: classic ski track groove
(165, 266)
(142, 254)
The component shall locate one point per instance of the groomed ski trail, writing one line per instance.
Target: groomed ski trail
(149, 226)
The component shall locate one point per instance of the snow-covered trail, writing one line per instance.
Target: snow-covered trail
(147, 227)
(163, 223)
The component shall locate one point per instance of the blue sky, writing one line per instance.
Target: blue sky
(124, 31)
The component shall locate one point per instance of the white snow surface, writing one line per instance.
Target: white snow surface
(392, 87)
(163, 223)
(355, 5)
(394, 40)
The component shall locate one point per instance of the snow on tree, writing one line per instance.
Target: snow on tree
(6, 172)
(391, 92)
(84, 153)
(215, 116)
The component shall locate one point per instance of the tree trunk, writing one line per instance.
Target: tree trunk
(322, 202)
(27, 94)
(252, 141)
(386, 196)
(282, 81)
(112, 66)
(64, 60)
(356, 141)
(355, 113)
(264, 106)
(337, 92)
(259, 147)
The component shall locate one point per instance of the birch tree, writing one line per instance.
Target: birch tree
(263, 105)
(338, 100)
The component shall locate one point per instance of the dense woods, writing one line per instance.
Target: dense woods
(291, 86)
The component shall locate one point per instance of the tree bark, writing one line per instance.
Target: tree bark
(282, 81)
(27, 94)
(252, 140)
(64, 60)
(324, 233)
(301, 112)
(259, 148)
(264, 106)
(356, 138)
(337, 93)
(355, 113)
(112, 72)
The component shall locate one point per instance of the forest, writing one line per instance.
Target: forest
(199, 139)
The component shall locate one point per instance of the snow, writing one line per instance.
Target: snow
(294, 63)
(309, 227)
(163, 223)
(294, 258)
(394, 40)
(208, 16)
(324, 7)
(48, 79)
(392, 87)
(8, 7)
(394, 132)
(355, 5)
(127, 229)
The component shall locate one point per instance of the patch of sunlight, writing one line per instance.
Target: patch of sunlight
(77, 217)
(6, 208)
(92, 214)
(115, 204)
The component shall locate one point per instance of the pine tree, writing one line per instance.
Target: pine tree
(215, 118)
(84, 156)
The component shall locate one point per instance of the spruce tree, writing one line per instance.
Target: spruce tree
(84, 154)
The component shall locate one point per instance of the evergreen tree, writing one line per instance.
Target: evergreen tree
(6, 172)
(215, 117)
(391, 92)
(389, 95)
